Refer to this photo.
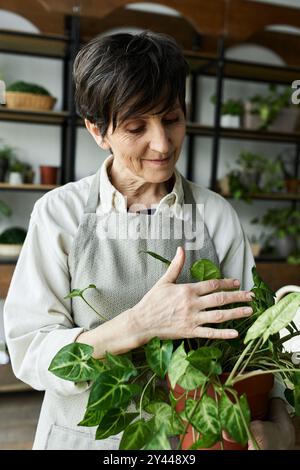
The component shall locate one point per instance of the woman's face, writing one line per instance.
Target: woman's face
(146, 146)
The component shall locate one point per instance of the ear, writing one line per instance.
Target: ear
(95, 133)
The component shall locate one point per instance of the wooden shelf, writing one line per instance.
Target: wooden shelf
(30, 116)
(243, 134)
(240, 70)
(27, 187)
(50, 46)
(9, 382)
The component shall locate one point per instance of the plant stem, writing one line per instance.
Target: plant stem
(239, 361)
(143, 393)
(100, 315)
(260, 372)
(249, 433)
(251, 355)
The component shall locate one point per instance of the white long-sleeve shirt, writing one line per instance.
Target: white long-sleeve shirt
(38, 320)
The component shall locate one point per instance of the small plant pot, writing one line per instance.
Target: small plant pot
(292, 185)
(285, 246)
(15, 178)
(49, 174)
(230, 121)
(256, 249)
(224, 186)
(286, 121)
(257, 390)
(3, 169)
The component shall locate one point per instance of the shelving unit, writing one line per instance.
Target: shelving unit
(204, 45)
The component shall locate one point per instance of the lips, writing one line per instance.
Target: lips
(160, 159)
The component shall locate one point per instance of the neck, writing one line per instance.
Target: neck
(136, 190)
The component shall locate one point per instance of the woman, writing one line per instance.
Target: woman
(130, 89)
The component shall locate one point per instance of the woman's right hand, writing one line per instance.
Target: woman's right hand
(174, 311)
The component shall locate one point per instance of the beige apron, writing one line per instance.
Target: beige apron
(108, 258)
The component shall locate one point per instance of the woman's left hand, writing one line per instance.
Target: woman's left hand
(278, 432)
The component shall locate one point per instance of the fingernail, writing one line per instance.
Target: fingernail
(236, 282)
(250, 295)
(233, 334)
(247, 310)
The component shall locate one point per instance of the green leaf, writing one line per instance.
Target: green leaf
(206, 417)
(113, 422)
(5, 209)
(160, 258)
(274, 318)
(231, 417)
(159, 440)
(110, 391)
(205, 360)
(177, 365)
(164, 415)
(158, 355)
(192, 378)
(73, 293)
(204, 269)
(92, 418)
(136, 435)
(120, 362)
(205, 442)
(74, 362)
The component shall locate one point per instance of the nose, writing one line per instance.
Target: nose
(159, 139)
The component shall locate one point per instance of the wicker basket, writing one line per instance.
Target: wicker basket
(19, 100)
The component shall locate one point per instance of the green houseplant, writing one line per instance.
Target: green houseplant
(196, 365)
(24, 95)
(255, 174)
(11, 241)
(265, 111)
(231, 112)
(285, 229)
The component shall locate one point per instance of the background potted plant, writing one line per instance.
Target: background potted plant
(6, 154)
(273, 111)
(206, 378)
(24, 95)
(287, 162)
(16, 169)
(255, 174)
(231, 112)
(11, 241)
(285, 229)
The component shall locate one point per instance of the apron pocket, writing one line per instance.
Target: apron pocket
(63, 438)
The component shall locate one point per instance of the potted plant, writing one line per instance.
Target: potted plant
(256, 244)
(255, 174)
(285, 229)
(273, 111)
(23, 95)
(287, 162)
(206, 379)
(231, 112)
(6, 154)
(16, 169)
(11, 241)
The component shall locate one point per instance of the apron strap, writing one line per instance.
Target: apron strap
(94, 195)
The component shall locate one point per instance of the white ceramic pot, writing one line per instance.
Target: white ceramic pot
(15, 178)
(230, 121)
(293, 345)
(8, 250)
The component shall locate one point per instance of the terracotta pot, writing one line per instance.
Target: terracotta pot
(292, 185)
(49, 174)
(257, 390)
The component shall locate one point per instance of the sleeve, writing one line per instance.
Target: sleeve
(37, 318)
(232, 246)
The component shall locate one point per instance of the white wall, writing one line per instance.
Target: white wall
(41, 144)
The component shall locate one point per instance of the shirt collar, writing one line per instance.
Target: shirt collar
(112, 199)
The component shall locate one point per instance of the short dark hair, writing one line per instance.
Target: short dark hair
(123, 75)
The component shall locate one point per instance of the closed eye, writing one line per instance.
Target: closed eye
(168, 122)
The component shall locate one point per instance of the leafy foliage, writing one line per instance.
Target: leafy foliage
(127, 395)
